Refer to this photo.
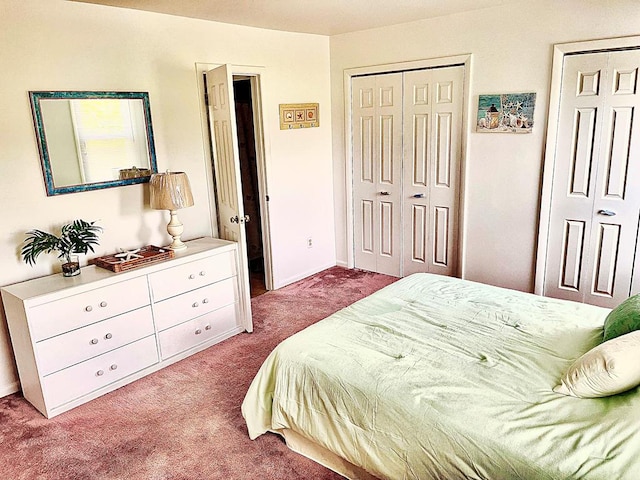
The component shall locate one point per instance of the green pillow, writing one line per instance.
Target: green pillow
(623, 319)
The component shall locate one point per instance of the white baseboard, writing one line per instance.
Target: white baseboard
(300, 276)
(342, 264)
(9, 389)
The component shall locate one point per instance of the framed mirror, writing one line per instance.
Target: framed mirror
(93, 140)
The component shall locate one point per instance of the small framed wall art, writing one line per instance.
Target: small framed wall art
(506, 113)
(299, 115)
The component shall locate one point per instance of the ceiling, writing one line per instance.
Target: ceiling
(323, 17)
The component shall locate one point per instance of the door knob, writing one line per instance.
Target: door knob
(385, 193)
(606, 213)
(237, 219)
(419, 195)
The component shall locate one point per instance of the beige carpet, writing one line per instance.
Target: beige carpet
(183, 422)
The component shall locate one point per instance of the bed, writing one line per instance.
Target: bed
(440, 378)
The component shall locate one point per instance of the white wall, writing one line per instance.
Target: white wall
(511, 47)
(61, 45)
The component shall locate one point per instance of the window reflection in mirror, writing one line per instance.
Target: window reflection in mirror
(92, 140)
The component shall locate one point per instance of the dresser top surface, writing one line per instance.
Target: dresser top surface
(91, 274)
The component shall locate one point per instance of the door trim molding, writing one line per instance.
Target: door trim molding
(559, 52)
(464, 60)
(201, 69)
(257, 77)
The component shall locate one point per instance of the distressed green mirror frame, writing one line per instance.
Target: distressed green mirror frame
(93, 140)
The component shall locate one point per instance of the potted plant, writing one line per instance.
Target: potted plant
(76, 237)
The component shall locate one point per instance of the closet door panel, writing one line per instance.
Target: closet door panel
(596, 180)
(436, 95)
(445, 193)
(388, 153)
(419, 221)
(579, 133)
(572, 248)
(364, 184)
(441, 230)
(417, 171)
(443, 157)
(377, 176)
(365, 141)
(617, 185)
(606, 260)
(418, 159)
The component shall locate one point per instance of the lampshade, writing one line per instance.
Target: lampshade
(170, 191)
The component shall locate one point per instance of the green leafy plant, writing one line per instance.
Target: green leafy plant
(78, 236)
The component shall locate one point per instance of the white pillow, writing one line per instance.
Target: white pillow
(611, 367)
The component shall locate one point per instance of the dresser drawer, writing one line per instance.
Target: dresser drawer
(189, 334)
(76, 311)
(84, 343)
(85, 377)
(192, 304)
(174, 281)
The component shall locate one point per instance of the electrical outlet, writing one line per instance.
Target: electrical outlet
(309, 242)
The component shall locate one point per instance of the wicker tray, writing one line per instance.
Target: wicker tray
(150, 254)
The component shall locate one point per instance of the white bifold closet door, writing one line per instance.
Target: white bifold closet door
(406, 134)
(431, 166)
(377, 169)
(595, 200)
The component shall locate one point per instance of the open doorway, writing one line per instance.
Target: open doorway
(232, 116)
(249, 179)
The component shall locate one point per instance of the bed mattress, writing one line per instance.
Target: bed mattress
(440, 378)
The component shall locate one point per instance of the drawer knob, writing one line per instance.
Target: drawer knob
(94, 341)
(205, 300)
(198, 332)
(108, 336)
(103, 304)
(207, 327)
(99, 373)
(192, 276)
(113, 367)
(195, 304)
(203, 273)
(88, 308)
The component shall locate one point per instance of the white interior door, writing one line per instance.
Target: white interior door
(377, 172)
(226, 164)
(595, 200)
(433, 101)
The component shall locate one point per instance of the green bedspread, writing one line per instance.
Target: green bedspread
(441, 378)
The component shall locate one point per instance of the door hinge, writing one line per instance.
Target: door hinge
(267, 198)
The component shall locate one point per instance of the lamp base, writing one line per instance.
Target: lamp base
(175, 229)
(177, 245)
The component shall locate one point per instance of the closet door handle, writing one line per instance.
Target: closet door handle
(607, 213)
(419, 195)
(385, 193)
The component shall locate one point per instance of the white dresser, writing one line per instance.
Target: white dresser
(76, 338)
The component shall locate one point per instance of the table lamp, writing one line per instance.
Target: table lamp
(171, 191)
